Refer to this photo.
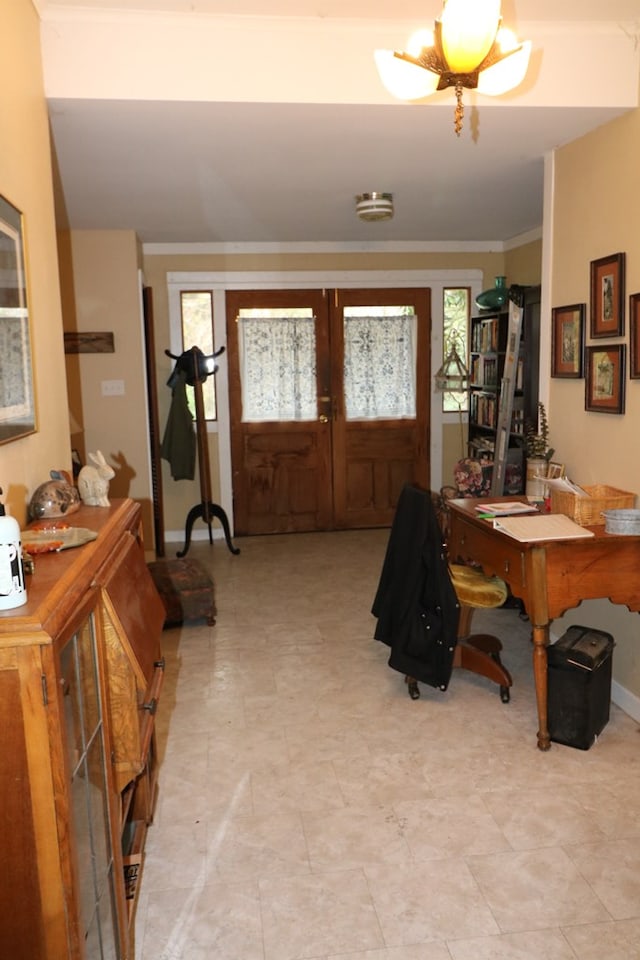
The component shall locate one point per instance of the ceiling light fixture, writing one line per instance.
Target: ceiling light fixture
(374, 206)
(468, 48)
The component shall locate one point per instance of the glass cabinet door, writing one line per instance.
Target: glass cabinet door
(89, 794)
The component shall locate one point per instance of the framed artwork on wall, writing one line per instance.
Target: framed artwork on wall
(607, 296)
(634, 336)
(567, 332)
(17, 409)
(605, 378)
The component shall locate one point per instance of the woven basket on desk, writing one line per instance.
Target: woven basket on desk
(587, 511)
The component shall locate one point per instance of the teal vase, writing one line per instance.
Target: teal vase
(494, 298)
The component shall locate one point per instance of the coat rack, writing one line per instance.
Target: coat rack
(194, 364)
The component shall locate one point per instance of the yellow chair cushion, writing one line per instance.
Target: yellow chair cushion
(474, 589)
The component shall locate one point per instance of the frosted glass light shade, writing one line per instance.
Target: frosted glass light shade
(507, 74)
(469, 30)
(402, 79)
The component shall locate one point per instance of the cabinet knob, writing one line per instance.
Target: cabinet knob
(159, 664)
(152, 706)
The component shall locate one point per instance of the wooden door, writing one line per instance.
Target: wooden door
(281, 464)
(329, 466)
(374, 453)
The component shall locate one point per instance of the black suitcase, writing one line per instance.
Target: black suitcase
(579, 684)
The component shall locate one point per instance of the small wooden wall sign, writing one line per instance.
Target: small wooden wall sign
(88, 342)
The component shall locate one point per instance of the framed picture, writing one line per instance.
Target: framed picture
(605, 378)
(17, 410)
(634, 336)
(555, 470)
(567, 350)
(607, 296)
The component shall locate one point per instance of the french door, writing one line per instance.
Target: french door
(329, 405)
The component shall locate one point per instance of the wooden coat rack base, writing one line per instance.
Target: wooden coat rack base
(206, 511)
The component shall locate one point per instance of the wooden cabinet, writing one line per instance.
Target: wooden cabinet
(80, 679)
(488, 345)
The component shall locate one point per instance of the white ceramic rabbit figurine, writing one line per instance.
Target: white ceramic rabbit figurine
(93, 481)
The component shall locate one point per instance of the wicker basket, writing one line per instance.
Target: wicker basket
(587, 511)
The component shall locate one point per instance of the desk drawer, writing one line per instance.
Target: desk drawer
(497, 554)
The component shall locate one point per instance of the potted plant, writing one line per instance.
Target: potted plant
(538, 454)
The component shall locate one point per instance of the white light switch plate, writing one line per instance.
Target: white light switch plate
(112, 388)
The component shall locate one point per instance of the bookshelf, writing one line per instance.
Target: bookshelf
(488, 341)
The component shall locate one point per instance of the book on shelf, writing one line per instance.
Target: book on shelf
(544, 526)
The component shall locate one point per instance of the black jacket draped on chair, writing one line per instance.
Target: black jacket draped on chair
(415, 603)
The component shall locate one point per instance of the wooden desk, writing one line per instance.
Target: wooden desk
(550, 577)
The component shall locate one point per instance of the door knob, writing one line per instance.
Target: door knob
(323, 419)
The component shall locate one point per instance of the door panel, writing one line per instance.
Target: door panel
(281, 468)
(374, 458)
(333, 471)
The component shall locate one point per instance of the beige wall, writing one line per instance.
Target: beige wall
(596, 212)
(523, 264)
(26, 181)
(102, 293)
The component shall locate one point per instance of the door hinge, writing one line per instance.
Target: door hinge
(45, 695)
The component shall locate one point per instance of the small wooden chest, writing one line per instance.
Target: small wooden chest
(186, 590)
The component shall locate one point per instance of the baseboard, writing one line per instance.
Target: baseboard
(626, 700)
(177, 536)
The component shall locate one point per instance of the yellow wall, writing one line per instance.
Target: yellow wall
(596, 212)
(102, 293)
(523, 264)
(26, 181)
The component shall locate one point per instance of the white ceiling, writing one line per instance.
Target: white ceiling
(195, 169)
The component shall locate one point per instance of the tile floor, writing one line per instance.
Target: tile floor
(309, 809)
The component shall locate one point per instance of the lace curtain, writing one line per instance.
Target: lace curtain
(278, 368)
(380, 367)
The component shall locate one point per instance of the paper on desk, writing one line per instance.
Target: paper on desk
(506, 508)
(547, 526)
(564, 485)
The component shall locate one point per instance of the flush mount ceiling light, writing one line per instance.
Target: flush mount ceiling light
(374, 206)
(467, 48)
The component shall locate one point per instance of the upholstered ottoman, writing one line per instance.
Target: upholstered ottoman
(186, 590)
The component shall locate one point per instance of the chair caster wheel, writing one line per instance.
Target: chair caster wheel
(505, 694)
(413, 688)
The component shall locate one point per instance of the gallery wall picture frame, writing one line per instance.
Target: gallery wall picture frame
(605, 378)
(17, 406)
(567, 334)
(607, 296)
(634, 336)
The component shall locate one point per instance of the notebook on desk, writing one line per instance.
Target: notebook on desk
(544, 526)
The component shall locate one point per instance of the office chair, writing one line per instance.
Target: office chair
(424, 604)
